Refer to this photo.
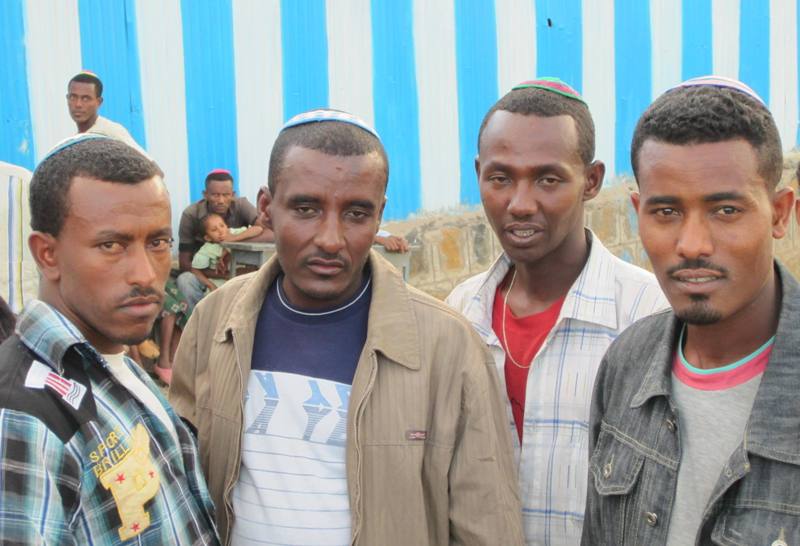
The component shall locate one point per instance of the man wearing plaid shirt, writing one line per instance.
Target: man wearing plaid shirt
(90, 452)
(550, 306)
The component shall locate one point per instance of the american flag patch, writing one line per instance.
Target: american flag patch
(416, 434)
(41, 376)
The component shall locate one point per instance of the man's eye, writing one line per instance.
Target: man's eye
(111, 246)
(548, 181)
(358, 214)
(163, 243)
(499, 179)
(727, 210)
(304, 211)
(666, 211)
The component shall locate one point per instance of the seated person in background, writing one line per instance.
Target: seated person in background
(174, 315)
(392, 243)
(212, 257)
(218, 198)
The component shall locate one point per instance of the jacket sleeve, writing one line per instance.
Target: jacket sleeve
(484, 500)
(183, 388)
(592, 520)
(39, 484)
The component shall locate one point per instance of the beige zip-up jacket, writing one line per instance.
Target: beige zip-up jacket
(428, 449)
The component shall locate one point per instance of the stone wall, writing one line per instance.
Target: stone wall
(455, 245)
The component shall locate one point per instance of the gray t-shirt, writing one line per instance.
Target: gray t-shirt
(711, 427)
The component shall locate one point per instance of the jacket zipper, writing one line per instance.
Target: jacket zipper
(235, 474)
(357, 441)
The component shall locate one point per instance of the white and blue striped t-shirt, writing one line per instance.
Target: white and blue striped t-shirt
(292, 487)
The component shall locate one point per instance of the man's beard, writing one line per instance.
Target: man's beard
(699, 313)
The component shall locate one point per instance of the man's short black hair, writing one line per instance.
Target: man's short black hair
(219, 176)
(533, 101)
(336, 138)
(85, 77)
(103, 159)
(705, 114)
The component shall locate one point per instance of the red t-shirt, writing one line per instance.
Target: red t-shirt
(525, 337)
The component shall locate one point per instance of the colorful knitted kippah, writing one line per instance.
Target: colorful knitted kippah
(324, 114)
(719, 81)
(219, 171)
(554, 85)
(72, 141)
(89, 73)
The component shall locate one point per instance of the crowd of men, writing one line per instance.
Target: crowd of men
(562, 397)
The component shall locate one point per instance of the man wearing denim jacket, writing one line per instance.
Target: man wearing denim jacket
(694, 428)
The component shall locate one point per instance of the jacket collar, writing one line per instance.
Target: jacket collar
(774, 420)
(49, 334)
(391, 327)
(591, 298)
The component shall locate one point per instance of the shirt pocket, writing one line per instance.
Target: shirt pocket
(762, 508)
(756, 526)
(615, 467)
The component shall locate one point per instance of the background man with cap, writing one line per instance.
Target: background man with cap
(218, 198)
(554, 300)
(694, 429)
(334, 404)
(84, 98)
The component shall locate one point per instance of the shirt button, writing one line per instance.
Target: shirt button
(607, 470)
(651, 518)
(671, 426)
(728, 472)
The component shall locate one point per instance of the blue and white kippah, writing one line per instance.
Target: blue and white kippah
(72, 141)
(324, 114)
(720, 81)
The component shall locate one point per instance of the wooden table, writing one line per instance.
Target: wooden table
(255, 254)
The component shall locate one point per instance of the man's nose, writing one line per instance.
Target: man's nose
(695, 239)
(523, 199)
(141, 269)
(329, 237)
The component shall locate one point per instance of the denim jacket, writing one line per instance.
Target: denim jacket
(635, 449)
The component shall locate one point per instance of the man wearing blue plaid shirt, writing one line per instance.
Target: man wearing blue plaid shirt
(90, 452)
(556, 298)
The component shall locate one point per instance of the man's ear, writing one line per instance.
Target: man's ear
(264, 201)
(380, 215)
(797, 210)
(595, 173)
(99, 102)
(782, 205)
(478, 167)
(43, 247)
(636, 200)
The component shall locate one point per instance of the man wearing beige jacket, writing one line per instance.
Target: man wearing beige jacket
(333, 403)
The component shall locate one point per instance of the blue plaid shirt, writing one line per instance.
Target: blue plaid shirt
(552, 458)
(82, 461)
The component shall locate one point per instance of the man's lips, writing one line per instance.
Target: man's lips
(696, 276)
(142, 306)
(522, 233)
(697, 281)
(325, 267)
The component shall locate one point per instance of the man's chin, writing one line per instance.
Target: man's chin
(698, 314)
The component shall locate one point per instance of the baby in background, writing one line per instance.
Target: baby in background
(212, 257)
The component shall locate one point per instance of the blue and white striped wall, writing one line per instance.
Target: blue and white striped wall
(208, 83)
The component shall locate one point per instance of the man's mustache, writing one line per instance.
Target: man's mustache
(696, 263)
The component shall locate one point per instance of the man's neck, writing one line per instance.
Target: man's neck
(539, 284)
(86, 125)
(715, 345)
